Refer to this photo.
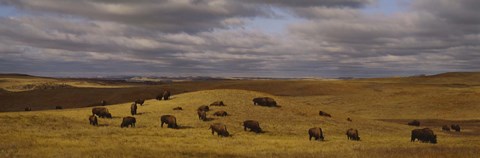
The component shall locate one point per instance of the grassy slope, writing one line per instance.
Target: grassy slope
(66, 133)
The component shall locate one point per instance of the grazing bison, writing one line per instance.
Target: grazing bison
(178, 108)
(101, 112)
(264, 101)
(58, 107)
(220, 128)
(316, 132)
(140, 101)
(28, 109)
(414, 123)
(352, 134)
(93, 120)
(217, 103)
(159, 97)
(203, 108)
(202, 115)
(170, 120)
(323, 113)
(220, 113)
(103, 102)
(133, 109)
(456, 127)
(166, 95)
(252, 125)
(128, 121)
(349, 119)
(424, 135)
(445, 128)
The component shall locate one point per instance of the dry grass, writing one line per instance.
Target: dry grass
(14, 83)
(66, 133)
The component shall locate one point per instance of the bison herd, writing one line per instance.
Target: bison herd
(425, 135)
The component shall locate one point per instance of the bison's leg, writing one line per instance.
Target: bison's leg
(162, 124)
(244, 128)
(310, 137)
(213, 132)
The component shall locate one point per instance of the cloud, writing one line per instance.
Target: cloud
(334, 38)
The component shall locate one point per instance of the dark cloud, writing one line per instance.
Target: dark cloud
(197, 37)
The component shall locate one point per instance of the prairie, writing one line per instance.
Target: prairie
(379, 108)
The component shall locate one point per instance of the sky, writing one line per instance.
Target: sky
(239, 38)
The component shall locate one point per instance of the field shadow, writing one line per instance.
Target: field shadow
(183, 127)
(103, 125)
(142, 113)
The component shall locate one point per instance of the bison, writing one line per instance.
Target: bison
(128, 121)
(103, 102)
(264, 101)
(352, 134)
(349, 119)
(414, 123)
(456, 127)
(424, 135)
(252, 125)
(101, 112)
(166, 95)
(202, 115)
(203, 108)
(217, 103)
(445, 128)
(58, 107)
(159, 97)
(316, 132)
(220, 128)
(28, 109)
(140, 101)
(93, 120)
(170, 120)
(178, 108)
(133, 109)
(323, 113)
(220, 113)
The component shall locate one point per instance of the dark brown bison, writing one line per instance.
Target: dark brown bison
(101, 112)
(93, 120)
(220, 128)
(103, 102)
(28, 109)
(133, 109)
(456, 127)
(316, 132)
(414, 123)
(349, 119)
(178, 108)
(252, 125)
(140, 101)
(202, 115)
(128, 121)
(217, 103)
(424, 135)
(323, 113)
(170, 120)
(352, 134)
(203, 108)
(159, 97)
(166, 95)
(264, 101)
(220, 113)
(445, 128)
(58, 107)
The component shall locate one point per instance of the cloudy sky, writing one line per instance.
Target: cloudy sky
(268, 38)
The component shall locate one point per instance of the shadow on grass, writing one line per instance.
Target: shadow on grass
(103, 125)
(208, 119)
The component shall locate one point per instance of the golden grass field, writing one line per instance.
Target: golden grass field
(380, 109)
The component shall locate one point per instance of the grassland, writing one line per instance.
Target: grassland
(66, 133)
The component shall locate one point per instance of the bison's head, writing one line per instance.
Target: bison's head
(225, 133)
(434, 139)
(108, 115)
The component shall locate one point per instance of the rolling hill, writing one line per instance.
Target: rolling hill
(66, 133)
